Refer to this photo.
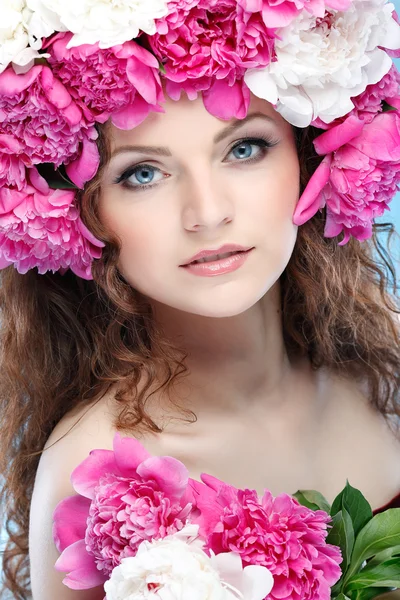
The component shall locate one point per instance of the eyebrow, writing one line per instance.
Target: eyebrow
(164, 151)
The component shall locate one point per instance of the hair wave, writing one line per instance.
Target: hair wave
(66, 341)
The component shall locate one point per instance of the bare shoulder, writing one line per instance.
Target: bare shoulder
(80, 431)
(365, 444)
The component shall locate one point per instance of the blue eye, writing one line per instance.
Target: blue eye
(243, 151)
(250, 149)
(140, 176)
(144, 175)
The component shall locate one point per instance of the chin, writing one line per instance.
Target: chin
(220, 308)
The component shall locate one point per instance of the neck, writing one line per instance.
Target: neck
(232, 361)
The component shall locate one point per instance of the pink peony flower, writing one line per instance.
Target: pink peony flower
(122, 82)
(207, 46)
(280, 13)
(40, 113)
(126, 497)
(358, 177)
(41, 228)
(278, 533)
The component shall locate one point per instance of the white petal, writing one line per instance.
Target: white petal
(25, 60)
(261, 84)
(380, 64)
(230, 568)
(258, 582)
(392, 37)
(295, 106)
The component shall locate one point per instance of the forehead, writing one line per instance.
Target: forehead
(185, 121)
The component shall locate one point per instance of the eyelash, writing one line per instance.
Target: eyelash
(265, 144)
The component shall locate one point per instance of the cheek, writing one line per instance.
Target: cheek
(275, 201)
(143, 233)
(274, 194)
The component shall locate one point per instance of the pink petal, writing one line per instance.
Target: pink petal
(55, 90)
(144, 79)
(395, 102)
(38, 181)
(80, 566)
(279, 16)
(133, 49)
(340, 5)
(332, 139)
(129, 454)
(332, 228)
(4, 263)
(252, 5)
(70, 518)
(132, 115)
(10, 144)
(86, 475)
(311, 200)
(88, 234)
(210, 510)
(227, 102)
(85, 167)
(12, 84)
(380, 139)
(171, 475)
(10, 199)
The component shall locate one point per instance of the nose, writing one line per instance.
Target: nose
(207, 203)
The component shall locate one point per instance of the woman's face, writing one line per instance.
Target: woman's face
(184, 181)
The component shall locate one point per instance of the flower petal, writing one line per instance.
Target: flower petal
(171, 475)
(227, 102)
(311, 200)
(132, 115)
(80, 566)
(84, 168)
(86, 475)
(70, 518)
(380, 139)
(336, 137)
(258, 582)
(129, 454)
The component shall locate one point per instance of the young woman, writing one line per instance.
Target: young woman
(215, 329)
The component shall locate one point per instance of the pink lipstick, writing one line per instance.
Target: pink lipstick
(209, 263)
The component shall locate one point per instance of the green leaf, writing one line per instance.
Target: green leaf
(380, 533)
(387, 107)
(56, 178)
(342, 535)
(341, 597)
(384, 555)
(387, 574)
(313, 500)
(369, 593)
(356, 505)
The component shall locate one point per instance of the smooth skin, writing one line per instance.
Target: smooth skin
(181, 182)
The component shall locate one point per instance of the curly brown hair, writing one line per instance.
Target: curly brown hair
(65, 341)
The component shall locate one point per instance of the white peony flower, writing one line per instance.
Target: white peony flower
(109, 22)
(322, 63)
(14, 36)
(176, 567)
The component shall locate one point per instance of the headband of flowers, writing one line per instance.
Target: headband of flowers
(67, 66)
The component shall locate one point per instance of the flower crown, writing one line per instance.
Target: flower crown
(67, 66)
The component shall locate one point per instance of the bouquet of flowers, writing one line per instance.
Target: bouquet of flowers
(140, 526)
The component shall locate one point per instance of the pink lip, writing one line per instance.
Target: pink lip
(214, 252)
(220, 266)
